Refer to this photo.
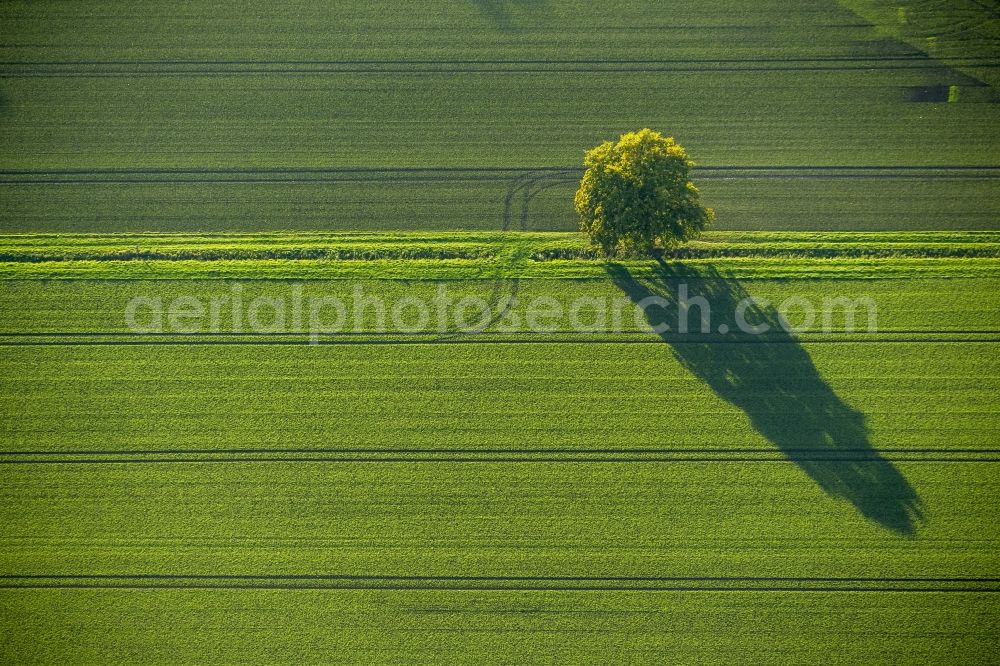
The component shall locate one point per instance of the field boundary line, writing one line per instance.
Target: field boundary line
(916, 60)
(494, 456)
(518, 178)
(490, 339)
(501, 583)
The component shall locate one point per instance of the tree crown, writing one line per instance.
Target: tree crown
(636, 195)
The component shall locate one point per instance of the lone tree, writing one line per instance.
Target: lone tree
(636, 195)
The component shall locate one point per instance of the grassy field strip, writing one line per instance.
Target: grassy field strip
(496, 255)
(595, 521)
(86, 307)
(478, 245)
(497, 397)
(365, 626)
(487, 268)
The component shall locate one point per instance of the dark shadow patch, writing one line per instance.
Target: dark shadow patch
(504, 14)
(772, 379)
(950, 85)
(927, 93)
(886, 46)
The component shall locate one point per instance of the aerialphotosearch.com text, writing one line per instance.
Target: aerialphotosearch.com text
(679, 311)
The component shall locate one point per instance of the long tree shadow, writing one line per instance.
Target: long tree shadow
(772, 378)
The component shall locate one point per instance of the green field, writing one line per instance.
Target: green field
(197, 467)
(496, 474)
(308, 116)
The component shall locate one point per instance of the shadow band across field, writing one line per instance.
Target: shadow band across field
(776, 384)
